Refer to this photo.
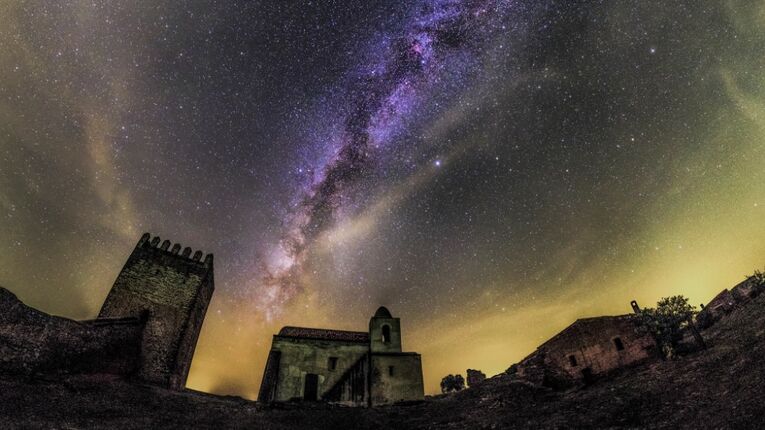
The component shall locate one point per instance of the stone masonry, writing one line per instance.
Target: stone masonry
(33, 342)
(474, 377)
(147, 328)
(348, 367)
(588, 348)
(171, 289)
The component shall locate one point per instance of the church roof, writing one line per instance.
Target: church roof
(324, 334)
(383, 312)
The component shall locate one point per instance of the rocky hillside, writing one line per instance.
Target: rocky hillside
(721, 387)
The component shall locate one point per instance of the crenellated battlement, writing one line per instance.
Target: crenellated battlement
(149, 242)
(170, 287)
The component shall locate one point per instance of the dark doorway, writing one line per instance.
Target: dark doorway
(587, 375)
(311, 391)
(619, 344)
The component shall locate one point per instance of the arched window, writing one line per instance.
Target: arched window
(386, 334)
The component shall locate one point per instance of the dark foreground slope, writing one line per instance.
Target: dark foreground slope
(722, 387)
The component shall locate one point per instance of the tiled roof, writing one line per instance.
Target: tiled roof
(324, 334)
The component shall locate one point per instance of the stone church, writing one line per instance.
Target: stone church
(349, 367)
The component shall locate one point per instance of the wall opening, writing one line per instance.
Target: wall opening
(390, 370)
(587, 375)
(332, 364)
(386, 334)
(572, 361)
(311, 389)
(618, 344)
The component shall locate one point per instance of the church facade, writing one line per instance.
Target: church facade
(349, 367)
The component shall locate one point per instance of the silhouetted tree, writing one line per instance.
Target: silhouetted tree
(668, 320)
(452, 383)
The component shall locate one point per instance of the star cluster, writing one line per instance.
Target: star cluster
(487, 169)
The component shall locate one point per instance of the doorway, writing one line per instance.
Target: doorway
(587, 376)
(311, 390)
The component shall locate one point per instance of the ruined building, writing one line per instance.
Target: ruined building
(147, 328)
(474, 377)
(587, 348)
(729, 299)
(355, 368)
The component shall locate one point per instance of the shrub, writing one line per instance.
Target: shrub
(452, 383)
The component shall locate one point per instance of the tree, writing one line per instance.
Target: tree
(668, 321)
(452, 383)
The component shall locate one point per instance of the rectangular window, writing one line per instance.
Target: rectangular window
(332, 363)
(618, 343)
(390, 370)
(572, 361)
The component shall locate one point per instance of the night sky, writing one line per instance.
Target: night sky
(489, 170)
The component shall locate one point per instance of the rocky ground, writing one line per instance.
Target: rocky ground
(721, 387)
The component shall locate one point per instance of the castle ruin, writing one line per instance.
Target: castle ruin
(474, 377)
(147, 328)
(728, 300)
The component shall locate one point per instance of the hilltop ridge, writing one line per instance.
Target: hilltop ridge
(720, 387)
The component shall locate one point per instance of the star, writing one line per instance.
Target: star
(485, 151)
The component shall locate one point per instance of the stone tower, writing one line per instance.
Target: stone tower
(384, 332)
(171, 290)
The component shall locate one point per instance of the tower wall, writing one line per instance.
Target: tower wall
(171, 290)
(396, 377)
(376, 328)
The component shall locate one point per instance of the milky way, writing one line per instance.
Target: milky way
(442, 41)
(488, 170)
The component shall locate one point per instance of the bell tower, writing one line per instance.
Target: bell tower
(384, 332)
